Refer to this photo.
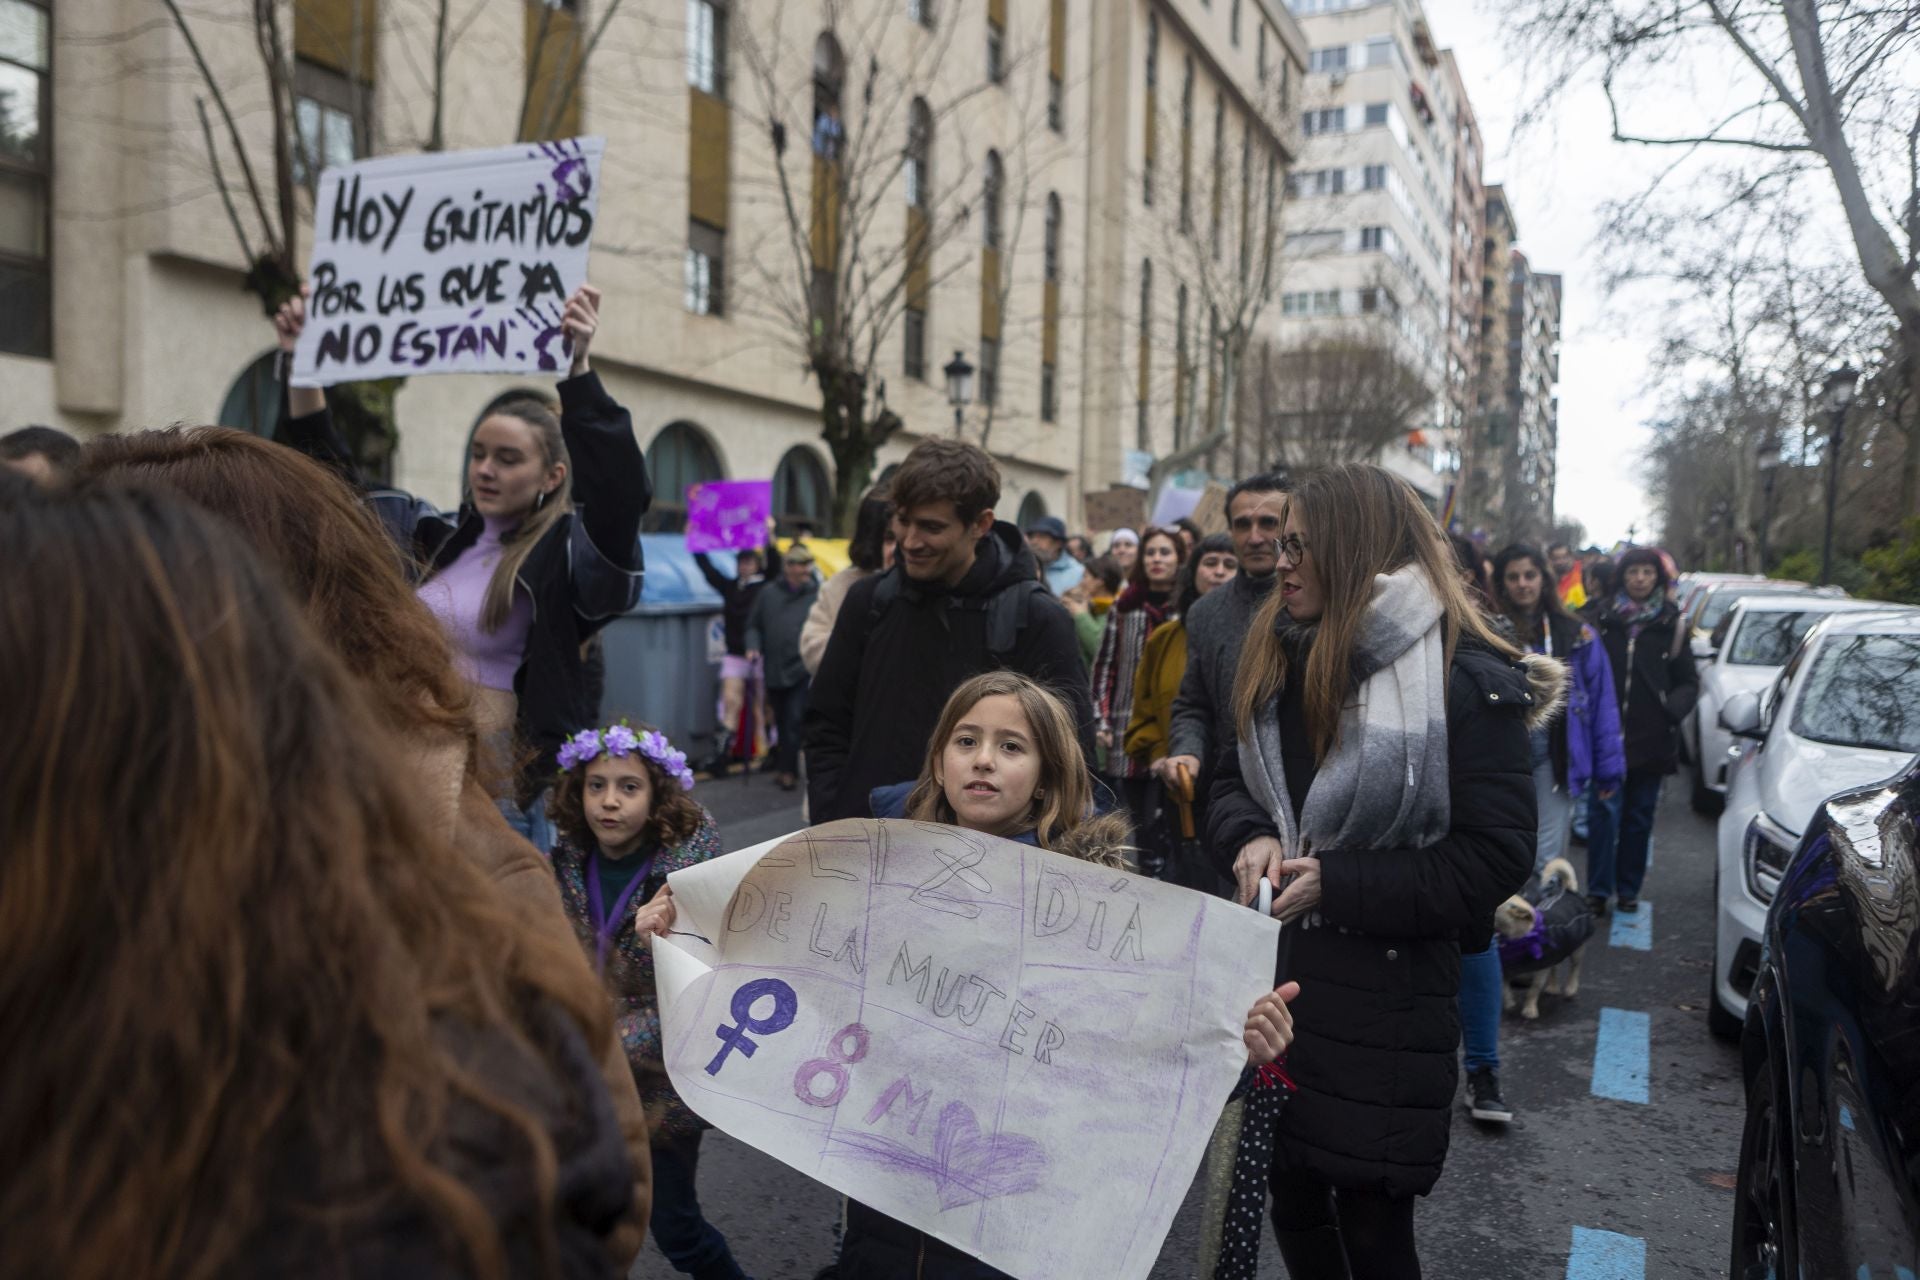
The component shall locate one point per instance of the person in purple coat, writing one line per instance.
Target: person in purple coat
(1584, 745)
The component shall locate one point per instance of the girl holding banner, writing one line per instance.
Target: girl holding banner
(542, 552)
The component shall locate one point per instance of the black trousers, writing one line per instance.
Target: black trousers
(1329, 1233)
(789, 709)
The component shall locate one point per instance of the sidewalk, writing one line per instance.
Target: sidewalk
(750, 808)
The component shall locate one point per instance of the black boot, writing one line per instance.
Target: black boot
(1313, 1254)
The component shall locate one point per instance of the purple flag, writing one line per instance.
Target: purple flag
(728, 515)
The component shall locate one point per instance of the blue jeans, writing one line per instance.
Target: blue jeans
(1555, 807)
(1480, 1008)
(531, 822)
(1620, 833)
(1580, 808)
(689, 1241)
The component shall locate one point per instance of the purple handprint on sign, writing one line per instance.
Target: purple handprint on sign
(572, 179)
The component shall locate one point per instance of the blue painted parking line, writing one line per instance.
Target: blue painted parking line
(1620, 1055)
(1606, 1255)
(1635, 930)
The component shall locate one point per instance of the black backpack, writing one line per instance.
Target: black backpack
(1007, 610)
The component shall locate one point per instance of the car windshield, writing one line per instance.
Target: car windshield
(1724, 599)
(1769, 639)
(1863, 691)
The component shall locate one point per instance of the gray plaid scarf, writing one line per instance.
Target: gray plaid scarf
(1384, 784)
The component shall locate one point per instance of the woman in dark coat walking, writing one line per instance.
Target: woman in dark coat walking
(1382, 781)
(1656, 681)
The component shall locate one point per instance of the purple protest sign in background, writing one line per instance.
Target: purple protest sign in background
(728, 515)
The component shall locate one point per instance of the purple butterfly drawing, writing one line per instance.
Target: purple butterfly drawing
(966, 1167)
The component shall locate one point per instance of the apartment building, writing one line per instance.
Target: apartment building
(999, 151)
(1371, 223)
(1468, 228)
(1533, 368)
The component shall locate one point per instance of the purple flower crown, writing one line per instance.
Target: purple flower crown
(621, 740)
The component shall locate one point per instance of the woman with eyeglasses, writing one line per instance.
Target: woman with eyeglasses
(1382, 782)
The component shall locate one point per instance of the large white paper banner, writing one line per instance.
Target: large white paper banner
(1017, 1052)
(452, 262)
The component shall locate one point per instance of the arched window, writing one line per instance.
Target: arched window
(1052, 256)
(681, 456)
(1032, 507)
(919, 155)
(802, 494)
(253, 401)
(992, 203)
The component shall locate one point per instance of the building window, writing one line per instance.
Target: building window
(326, 134)
(991, 202)
(1325, 120)
(707, 47)
(1049, 394)
(1057, 65)
(989, 371)
(1380, 52)
(706, 269)
(919, 154)
(1153, 85)
(681, 456)
(1333, 58)
(1376, 113)
(1051, 254)
(1146, 350)
(1330, 182)
(1182, 370)
(921, 11)
(1056, 104)
(1186, 148)
(1374, 177)
(555, 67)
(801, 491)
(913, 327)
(1219, 172)
(1373, 238)
(1233, 24)
(996, 48)
(1260, 60)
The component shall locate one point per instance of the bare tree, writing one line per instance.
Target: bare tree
(1831, 87)
(853, 245)
(1337, 396)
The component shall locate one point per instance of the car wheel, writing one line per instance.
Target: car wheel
(1706, 801)
(1762, 1239)
(1723, 1022)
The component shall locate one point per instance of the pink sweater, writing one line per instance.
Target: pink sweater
(456, 595)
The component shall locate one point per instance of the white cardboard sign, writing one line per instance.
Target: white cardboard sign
(449, 262)
(1017, 1052)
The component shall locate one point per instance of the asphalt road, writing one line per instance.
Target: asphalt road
(1582, 1185)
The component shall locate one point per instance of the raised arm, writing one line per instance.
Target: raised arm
(305, 422)
(611, 488)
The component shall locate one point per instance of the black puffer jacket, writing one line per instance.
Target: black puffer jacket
(900, 648)
(1376, 1024)
(1655, 678)
(583, 572)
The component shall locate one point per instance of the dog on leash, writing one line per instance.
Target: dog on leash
(1542, 932)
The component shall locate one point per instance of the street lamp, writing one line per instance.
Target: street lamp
(1836, 395)
(1768, 460)
(959, 387)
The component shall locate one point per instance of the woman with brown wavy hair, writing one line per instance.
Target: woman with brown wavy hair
(264, 1020)
(344, 573)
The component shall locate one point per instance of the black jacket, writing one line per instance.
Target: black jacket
(890, 667)
(584, 571)
(878, 1248)
(773, 628)
(1656, 681)
(1376, 1025)
(736, 597)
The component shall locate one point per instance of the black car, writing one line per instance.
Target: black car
(1829, 1180)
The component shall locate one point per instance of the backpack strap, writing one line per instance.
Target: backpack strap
(1007, 614)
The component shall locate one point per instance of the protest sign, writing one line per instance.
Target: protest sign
(453, 262)
(1017, 1052)
(728, 515)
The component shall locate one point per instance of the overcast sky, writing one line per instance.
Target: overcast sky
(1556, 176)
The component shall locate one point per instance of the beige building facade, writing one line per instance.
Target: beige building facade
(1003, 148)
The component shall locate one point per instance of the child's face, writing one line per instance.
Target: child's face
(618, 800)
(990, 767)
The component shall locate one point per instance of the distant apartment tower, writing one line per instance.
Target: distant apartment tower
(1533, 367)
(1465, 258)
(1372, 213)
(1490, 433)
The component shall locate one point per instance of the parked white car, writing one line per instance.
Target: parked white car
(1845, 712)
(1713, 601)
(1747, 650)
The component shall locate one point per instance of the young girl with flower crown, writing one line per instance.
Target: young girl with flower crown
(626, 818)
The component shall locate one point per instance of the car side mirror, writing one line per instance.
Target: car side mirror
(1740, 716)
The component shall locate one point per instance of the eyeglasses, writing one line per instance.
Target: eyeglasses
(1291, 550)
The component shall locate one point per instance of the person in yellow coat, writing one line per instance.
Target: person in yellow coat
(1156, 681)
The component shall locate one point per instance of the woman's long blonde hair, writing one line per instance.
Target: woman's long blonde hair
(1066, 795)
(1361, 521)
(519, 542)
